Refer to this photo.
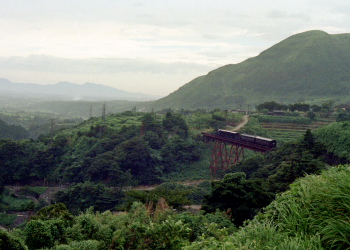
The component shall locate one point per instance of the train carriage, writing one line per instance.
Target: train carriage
(267, 142)
(228, 134)
(259, 140)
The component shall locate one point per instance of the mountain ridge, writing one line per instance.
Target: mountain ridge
(70, 91)
(308, 66)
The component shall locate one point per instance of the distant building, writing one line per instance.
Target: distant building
(277, 112)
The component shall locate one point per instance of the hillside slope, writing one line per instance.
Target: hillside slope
(308, 66)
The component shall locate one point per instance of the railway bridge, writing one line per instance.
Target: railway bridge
(228, 148)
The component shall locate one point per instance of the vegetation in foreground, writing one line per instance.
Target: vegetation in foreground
(239, 196)
(313, 214)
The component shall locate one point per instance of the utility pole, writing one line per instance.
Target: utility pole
(52, 125)
(90, 116)
(104, 111)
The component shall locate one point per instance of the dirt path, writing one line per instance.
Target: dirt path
(48, 195)
(241, 125)
(185, 183)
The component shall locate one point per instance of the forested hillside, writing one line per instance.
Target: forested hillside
(305, 217)
(96, 162)
(125, 149)
(13, 132)
(310, 66)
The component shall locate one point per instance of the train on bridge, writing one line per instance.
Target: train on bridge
(266, 142)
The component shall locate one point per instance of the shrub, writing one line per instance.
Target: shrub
(316, 205)
(10, 242)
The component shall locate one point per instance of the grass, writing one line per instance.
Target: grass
(38, 190)
(288, 131)
(283, 119)
(316, 205)
(7, 220)
(13, 203)
(199, 170)
(314, 214)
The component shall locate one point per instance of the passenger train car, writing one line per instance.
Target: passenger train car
(259, 140)
(228, 134)
(267, 142)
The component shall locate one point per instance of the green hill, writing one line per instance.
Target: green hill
(310, 66)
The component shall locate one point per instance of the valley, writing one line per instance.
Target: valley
(119, 172)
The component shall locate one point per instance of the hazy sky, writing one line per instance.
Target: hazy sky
(152, 46)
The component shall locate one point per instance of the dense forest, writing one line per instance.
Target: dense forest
(97, 162)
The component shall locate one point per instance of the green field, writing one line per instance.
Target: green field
(288, 129)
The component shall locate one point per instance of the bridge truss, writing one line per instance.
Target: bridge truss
(224, 155)
(227, 152)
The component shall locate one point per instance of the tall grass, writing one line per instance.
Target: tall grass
(316, 205)
(313, 214)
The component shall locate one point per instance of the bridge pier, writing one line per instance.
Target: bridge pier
(224, 155)
(229, 148)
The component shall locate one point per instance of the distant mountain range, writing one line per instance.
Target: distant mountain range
(312, 66)
(69, 91)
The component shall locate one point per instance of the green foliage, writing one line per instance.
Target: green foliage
(271, 106)
(88, 194)
(257, 236)
(316, 205)
(80, 245)
(7, 220)
(9, 242)
(283, 119)
(301, 67)
(335, 137)
(175, 195)
(32, 191)
(343, 117)
(213, 225)
(313, 215)
(122, 150)
(281, 167)
(178, 151)
(175, 123)
(135, 156)
(253, 127)
(138, 229)
(12, 202)
(55, 211)
(13, 132)
(299, 107)
(240, 198)
(40, 234)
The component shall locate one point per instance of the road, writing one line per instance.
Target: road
(239, 126)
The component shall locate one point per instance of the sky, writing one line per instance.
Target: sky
(152, 47)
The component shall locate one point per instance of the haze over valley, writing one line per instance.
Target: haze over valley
(174, 125)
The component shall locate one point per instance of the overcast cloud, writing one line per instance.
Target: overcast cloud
(152, 46)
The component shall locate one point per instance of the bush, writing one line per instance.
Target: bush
(283, 119)
(7, 220)
(10, 242)
(316, 205)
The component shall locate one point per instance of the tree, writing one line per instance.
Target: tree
(271, 106)
(241, 198)
(135, 156)
(88, 194)
(39, 235)
(55, 211)
(311, 115)
(10, 242)
(151, 123)
(299, 107)
(175, 123)
(343, 117)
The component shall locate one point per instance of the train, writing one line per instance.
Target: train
(267, 142)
